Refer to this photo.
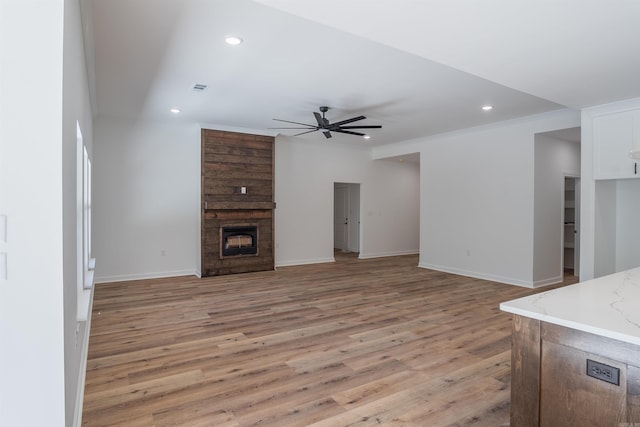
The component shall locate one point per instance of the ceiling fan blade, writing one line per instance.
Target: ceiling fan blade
(362, 127)
(302, 133)
(344, 122)
(319, 119)
(295, 123)
(311, 127)
(347, 131)
(327, 134)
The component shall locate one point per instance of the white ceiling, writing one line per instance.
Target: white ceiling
(417, 67)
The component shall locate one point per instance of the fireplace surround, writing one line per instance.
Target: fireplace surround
(236, 196)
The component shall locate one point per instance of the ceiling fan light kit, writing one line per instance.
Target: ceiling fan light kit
(326, 127)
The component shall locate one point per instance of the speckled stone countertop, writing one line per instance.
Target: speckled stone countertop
(608, 306)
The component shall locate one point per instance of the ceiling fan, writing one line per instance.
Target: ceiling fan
(327, 127)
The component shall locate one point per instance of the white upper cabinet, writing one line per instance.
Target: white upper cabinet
(614, 137)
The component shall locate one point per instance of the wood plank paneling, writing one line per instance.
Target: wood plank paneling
(566, 394)
(356, 342)
(232, 160)
(633, 394)
(607, 347)
(568, 397)
(525, 362)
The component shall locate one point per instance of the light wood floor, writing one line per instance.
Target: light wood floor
(355, 343)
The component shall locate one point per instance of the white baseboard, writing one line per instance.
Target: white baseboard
(476, 275)
(547, 282)
(386, 254)
(141, 276)
(304, 262)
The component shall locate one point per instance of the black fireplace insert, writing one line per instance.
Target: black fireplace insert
(238, 240)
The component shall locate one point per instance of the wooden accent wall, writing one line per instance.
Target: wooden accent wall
(232, 160)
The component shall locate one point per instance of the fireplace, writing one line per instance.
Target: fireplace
(238, 240)
(237, 206)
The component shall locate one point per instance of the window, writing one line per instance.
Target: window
(85, 264)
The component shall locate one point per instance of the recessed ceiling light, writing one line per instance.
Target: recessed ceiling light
(367, 137)
(487, 107)
(175, 110)
(233, 40)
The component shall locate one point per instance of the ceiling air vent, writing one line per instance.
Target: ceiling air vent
(199, 87)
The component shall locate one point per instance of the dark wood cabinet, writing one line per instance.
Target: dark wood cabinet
(568, 397)
(551, 386)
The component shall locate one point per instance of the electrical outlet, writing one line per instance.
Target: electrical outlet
(603, 372)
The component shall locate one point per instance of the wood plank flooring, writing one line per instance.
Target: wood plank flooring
(355, 343)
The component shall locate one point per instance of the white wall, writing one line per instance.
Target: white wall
(609, 233)
(627, 230)
(617, 237)
(40, 357)
(304, 177)
(554, 160)
(76, 110)
(476, 191)
(605, 230)
(146, 199)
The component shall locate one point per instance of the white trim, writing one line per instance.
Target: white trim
(88, 279)
(387, 254)
(305, 262)
(85, 296)
(156, 275)
(77, 419)
(547, 282)
(491, 277)
(250, 131)
(613, 107)
(414, 145)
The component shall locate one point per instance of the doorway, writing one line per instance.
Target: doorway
(571, 226)
(346, 217)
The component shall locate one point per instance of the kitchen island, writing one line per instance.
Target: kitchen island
(575, 355)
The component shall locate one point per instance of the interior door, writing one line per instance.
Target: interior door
(340, 216)
(354, 218)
